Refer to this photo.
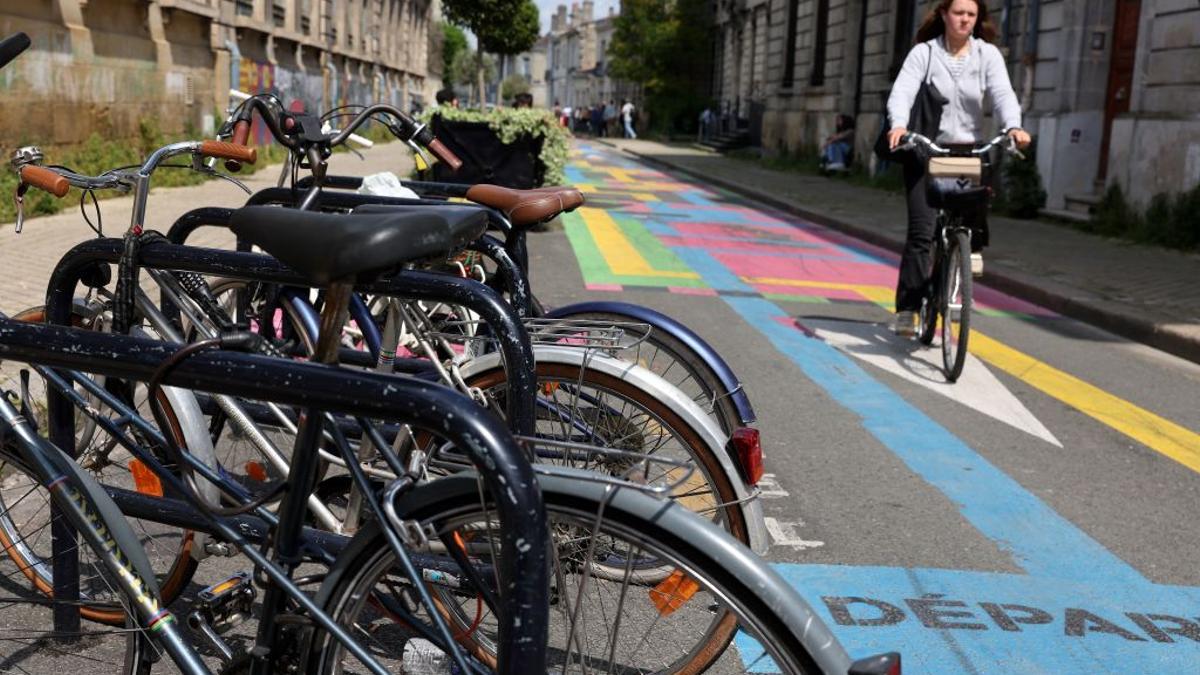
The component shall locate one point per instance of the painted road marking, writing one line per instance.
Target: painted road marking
(783, 533)
(768, 487)
(977, 387)
(1153, 431)
(622, 257)
(1076, 608)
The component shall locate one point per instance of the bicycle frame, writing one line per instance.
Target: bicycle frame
(476, 432)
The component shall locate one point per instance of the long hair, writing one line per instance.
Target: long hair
(933, 26)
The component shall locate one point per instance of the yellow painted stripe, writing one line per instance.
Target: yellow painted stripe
(620, 175)
(881, 295)
(586, 188)
(645, 197)
(622, 257)
(1156, 433)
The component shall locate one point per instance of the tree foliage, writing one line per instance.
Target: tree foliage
(454, 41)
(512, 85)
(500, 26)
(666, 46)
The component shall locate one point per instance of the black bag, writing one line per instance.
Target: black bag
(925, 118)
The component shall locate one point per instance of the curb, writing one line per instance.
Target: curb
(1159, 336)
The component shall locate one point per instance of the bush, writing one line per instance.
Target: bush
(1021, 195)
(1169, 220)
(511, 123)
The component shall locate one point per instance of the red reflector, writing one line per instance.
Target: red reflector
(749, 453)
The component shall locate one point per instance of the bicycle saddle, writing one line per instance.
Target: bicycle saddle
(463, 229)
(527, 207)
(327, 247)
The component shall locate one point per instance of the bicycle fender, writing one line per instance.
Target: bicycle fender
(680, 403)
(668, 325)
(114, 521)
(198, 443)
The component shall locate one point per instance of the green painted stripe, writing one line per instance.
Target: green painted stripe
(660, 257)
(591, 261)
(806, 299)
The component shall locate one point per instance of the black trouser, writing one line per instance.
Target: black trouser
(916, 262)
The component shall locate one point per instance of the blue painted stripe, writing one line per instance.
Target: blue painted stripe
(1041, 542)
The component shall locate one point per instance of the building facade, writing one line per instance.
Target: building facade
(106, 66)
(1111, 88)
(577, 59)
(530, 66)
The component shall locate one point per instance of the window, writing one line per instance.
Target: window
(244, 7)
(278, 15)
(906, 15)
(789, 51)
(820, 35)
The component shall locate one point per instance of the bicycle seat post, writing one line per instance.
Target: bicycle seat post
(333, 317)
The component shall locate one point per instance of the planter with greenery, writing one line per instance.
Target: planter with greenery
(529, 131)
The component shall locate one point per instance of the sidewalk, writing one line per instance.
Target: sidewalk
(28, 258)
(1143, 293)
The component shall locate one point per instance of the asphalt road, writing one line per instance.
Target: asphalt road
(1034, 517)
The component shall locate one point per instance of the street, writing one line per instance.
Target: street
(1030, 518)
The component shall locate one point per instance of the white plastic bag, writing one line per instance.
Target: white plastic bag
(385, 184)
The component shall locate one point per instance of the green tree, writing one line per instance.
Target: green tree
(454, 41)
(512, 85)
(500, 27)
(666, 46)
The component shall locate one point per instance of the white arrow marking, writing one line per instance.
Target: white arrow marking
(976, 388)
(784, 534)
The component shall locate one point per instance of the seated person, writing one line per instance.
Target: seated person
(838, 149)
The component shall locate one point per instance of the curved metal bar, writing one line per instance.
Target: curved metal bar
(514, 344)
(511, 277)
(505, 471)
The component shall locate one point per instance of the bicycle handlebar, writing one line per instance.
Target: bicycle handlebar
(45, 179)
(912, 139)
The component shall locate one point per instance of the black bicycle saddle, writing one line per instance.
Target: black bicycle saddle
(464, 228)
(327, 247)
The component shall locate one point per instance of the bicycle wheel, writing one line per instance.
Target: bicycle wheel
(25, 518)
(605, 623)
(587, 406)
(956, 305)
(675, 362)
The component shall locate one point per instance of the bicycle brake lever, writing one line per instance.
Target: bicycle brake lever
(217, 174)
(19, 200)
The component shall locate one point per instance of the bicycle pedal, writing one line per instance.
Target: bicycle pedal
(976, 264)
(225, 604)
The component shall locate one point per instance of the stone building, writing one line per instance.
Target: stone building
(531, 66)
(108, 65)
(577, 59)
(1111, 88)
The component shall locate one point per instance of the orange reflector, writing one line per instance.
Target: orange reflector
(671, 593)
(548, 388)
(256, 471)
(144, 479)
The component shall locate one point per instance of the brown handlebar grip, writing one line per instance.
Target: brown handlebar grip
(221, 150)
(45, 179)
(241, 134)
(444, 154)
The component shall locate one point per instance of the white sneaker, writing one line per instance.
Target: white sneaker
(906, 324)
(976, 264)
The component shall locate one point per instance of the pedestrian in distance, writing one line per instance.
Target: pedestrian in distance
(955, 59)
(447, 97)
(627, 116)
(610, 117)
(838, 148)
(597, 119)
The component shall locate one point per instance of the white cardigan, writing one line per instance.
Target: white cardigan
(983, 73)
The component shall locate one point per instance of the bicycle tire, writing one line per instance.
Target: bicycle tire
(651, 411)
(174, 564)
(956, 305)
(653, 527)
(662, 353)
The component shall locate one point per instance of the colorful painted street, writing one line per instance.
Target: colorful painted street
(1036, 516)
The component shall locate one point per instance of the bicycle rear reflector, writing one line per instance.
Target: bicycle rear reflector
(144, 479)
(671, 593)
(746, 443)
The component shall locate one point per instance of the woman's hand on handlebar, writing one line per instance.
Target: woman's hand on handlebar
(1020, 137)
(895, 136)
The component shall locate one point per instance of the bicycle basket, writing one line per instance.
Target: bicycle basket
(955, 183)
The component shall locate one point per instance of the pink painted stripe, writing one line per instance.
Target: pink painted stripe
(615, 288)
(685, 290)
(828, 293)
(809, 269)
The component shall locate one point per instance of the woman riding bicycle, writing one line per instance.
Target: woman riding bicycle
(954, 55)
